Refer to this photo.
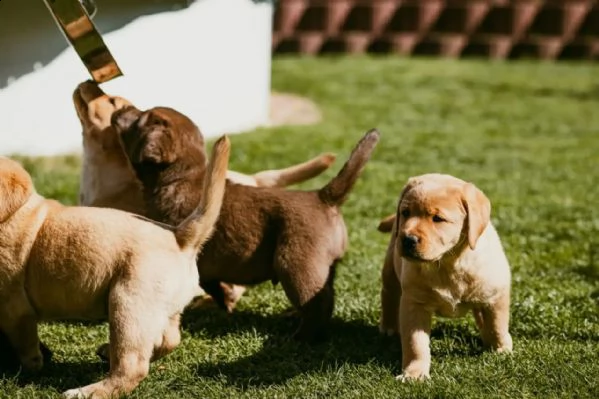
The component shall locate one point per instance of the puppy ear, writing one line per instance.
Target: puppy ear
(478, 209)
(124, 118)
(412, 182)
(386, 224)
(158, 148)
(15, 187)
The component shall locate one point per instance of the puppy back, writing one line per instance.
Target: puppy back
(336, 191)
(197, 228)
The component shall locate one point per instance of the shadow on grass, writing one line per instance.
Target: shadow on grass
(281, 357)
(60, 375)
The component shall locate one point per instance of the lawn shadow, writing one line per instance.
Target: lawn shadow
(281, 358)
(61, 375)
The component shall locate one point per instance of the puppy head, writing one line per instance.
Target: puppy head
(15, 187)
(437, 215)
(94, 107)
(152, 136)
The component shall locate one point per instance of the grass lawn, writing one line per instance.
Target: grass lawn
(526, 133)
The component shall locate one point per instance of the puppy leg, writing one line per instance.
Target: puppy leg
(9, 361)
(311, 290)
(224, 295)
(415, 328)
(494, 325)
(19, 322)
(390, 296)
(171, 338)
(136, 326)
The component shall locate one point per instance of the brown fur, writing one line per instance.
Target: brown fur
(263, 234)
(444, 257)
(85, 263)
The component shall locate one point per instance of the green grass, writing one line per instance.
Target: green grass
(526, 133)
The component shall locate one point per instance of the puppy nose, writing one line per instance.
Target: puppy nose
(409, 242)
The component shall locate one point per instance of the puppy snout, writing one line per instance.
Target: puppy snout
(409, 242)
(89, 90)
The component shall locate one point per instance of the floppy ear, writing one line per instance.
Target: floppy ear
(158, 148)
(15, 188)
(387, 224)
(478, 209)
(124, 118)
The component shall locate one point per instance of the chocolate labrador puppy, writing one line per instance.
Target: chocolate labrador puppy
(292, 237)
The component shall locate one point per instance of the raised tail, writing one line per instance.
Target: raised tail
(296, 173)
(336, 191)
(197, 228)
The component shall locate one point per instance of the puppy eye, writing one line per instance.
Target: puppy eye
(438, 219)
(405, 213)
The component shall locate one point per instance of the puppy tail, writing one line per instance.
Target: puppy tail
(296, 173)
(336, 191)
(197, 228)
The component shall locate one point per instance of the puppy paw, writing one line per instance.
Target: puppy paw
(75, 393)
(504, 345)
(413, 373)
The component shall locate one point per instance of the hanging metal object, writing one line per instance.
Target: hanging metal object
(90, 7)
(74, 20)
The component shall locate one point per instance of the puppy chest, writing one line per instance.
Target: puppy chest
(448, 305)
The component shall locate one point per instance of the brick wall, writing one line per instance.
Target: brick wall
(551, 29)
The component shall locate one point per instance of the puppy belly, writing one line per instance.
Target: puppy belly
(236, 271)
(54, 301)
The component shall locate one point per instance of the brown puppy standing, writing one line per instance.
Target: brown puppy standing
(85, 263)
(263, 234)
(444, 258)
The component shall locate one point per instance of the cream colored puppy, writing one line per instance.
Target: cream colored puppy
(86, 263)
(444, 258)
(107, 180)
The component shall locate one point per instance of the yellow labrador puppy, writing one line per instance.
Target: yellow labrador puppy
(85, 263)
(444, 258)
(107, 179)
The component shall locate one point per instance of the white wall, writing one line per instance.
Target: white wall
(210, 60)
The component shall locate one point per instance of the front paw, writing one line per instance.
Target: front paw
(503, 345)
(76, 393)
(414, 372)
